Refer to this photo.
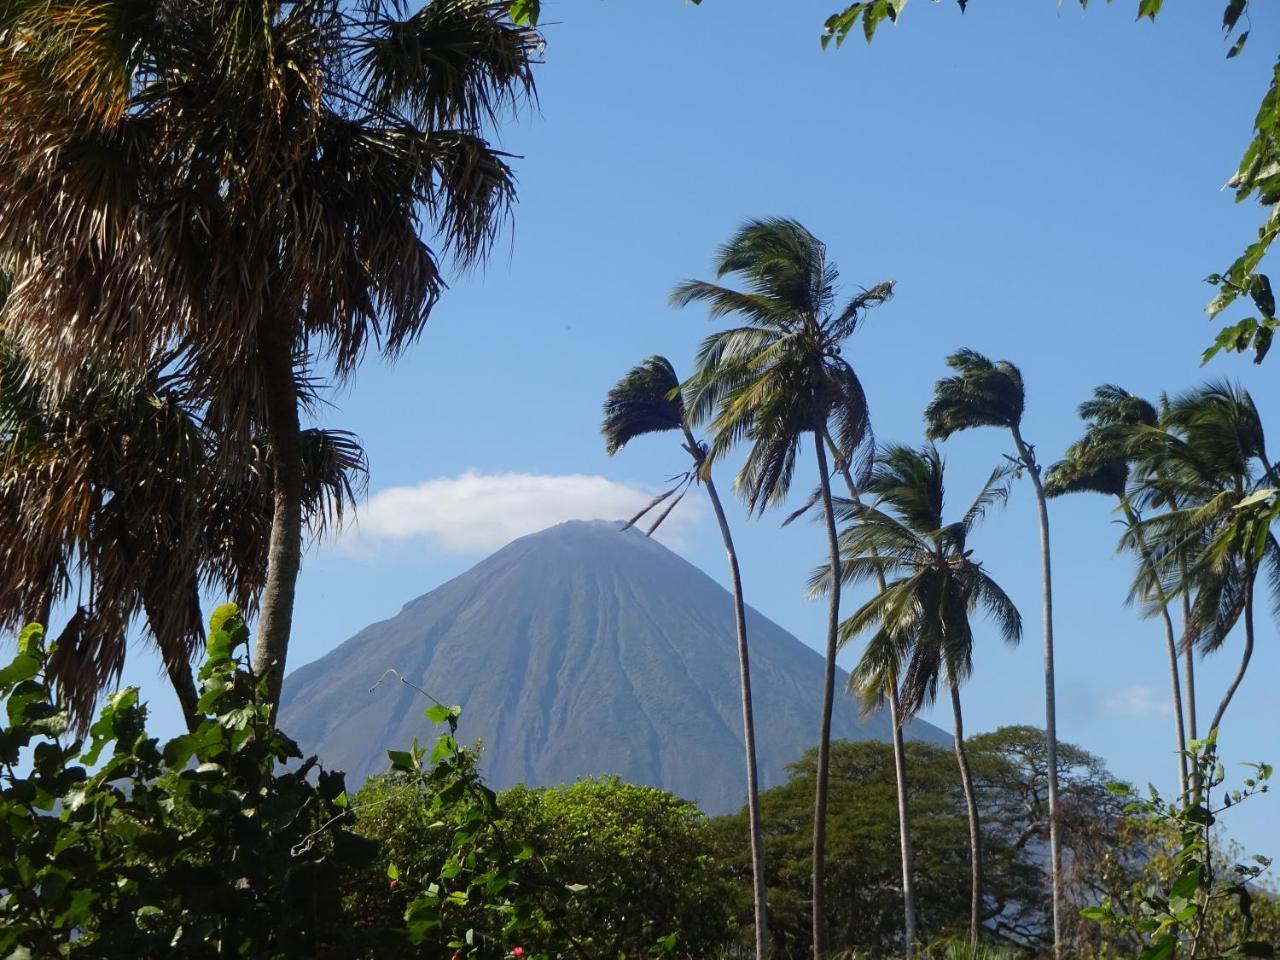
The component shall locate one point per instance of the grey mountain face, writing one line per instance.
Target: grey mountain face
(577, 650)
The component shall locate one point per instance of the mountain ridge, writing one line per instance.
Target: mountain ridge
(576, 650)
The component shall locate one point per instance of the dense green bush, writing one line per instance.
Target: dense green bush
(620, 869)
(226, 842)
(216, 844)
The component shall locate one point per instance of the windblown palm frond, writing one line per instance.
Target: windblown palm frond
(781, 375)
(980, 394)
(646, 400)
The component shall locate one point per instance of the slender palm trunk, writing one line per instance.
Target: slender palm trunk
(177, 667)
(1189, 686)
(904, 832)
(284, 551)
(899, 758)
(971, 803)
(1245, 657)
(1050, 695)
(828, 703)
(748, 722)
(1171, 647)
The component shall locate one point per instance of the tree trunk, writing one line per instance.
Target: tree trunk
(1189, 687)
(748, 721)
(1244, 658)
(1171, 647)
(899, 756)
(828, 703)
(975, 835)
(1050, 697)
(284, 552)
(177, 666)
(904, 831)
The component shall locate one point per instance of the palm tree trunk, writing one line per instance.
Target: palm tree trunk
(284, 551)
(971, 803)
(1244, 658)
(899, 756)
(1189, 687)
(1188, 662)
(1171, 647)
(748, 723)
(176, 666)
(904, 832)
(1050, 696)
(828, 703)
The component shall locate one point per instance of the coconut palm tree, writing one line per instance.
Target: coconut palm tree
(1205, 461)
(983, 393)
(922, 617)
(259, 184)
(1099, 463)
(649, 399)
(772, 381)
(112, 501)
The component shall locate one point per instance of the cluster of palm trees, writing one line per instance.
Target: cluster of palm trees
(202, 203)
(1187, 476)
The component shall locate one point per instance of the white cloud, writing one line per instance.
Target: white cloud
(480, 512)
(1136, 701)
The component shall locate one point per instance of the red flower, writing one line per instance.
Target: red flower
(517, 952)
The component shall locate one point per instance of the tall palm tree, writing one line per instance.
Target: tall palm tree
(1205, 460)
(1099, 463)
(922, 617)
(256, 183)
(771, 381)
(112, 500)
(649, 399)
(983, 393)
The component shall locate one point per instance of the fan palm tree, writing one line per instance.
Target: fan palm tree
(983, 393)
(771, 381)
(112, 501)
(649, 399)
(1205, 461)
(922, 617)
(257, 184)
(1099, 463)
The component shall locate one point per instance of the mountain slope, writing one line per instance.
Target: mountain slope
(574, 651)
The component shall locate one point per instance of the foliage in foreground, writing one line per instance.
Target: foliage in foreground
(225, 841)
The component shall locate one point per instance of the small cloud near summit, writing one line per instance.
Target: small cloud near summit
(480, 512)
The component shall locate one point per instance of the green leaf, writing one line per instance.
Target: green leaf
(525, 13)
(402, 760)
(1149, 8)
(31, 639)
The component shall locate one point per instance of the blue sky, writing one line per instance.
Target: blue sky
(1044, 184)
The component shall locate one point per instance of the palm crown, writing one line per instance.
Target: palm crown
(922, 617)
(780, 374)
(982, 393)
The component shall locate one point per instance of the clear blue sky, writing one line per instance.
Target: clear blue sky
(1044, 185)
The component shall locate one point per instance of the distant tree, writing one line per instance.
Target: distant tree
(619, 867)
(864, 910)
(649, 399)
(1099, 463)
(934, 586)
(116, 500)
(256, 184)
(772, 381)
(986, 394)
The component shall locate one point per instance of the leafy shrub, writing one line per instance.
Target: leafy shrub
(207, 846)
